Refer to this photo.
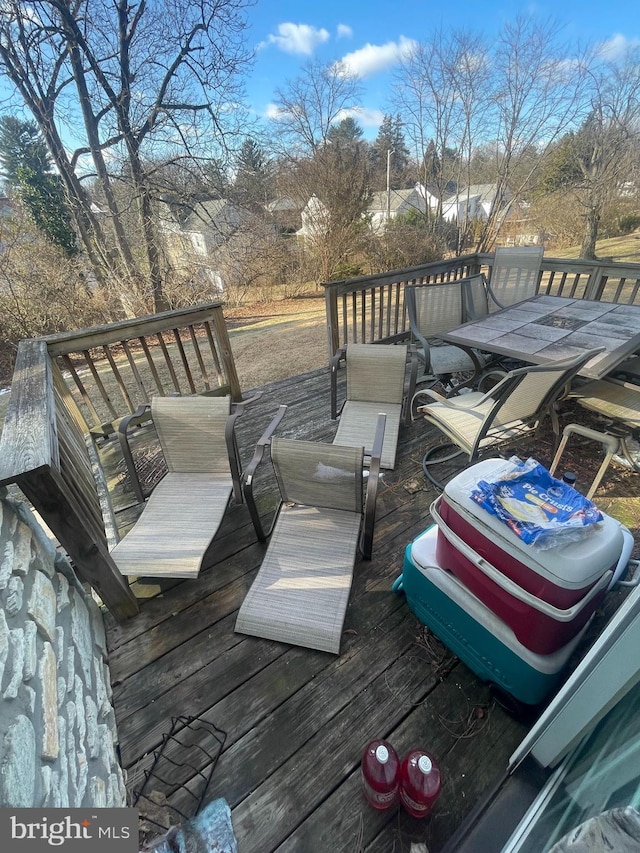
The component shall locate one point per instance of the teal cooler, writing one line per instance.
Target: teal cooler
(472, 631)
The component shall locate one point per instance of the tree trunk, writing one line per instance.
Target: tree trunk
(588, 248)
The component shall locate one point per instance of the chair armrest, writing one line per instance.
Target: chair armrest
(492, 296)
(412, 356)
(141, 415)
(425, 355)
(235, 465)
(372, 489)
(335, 366)
(425, 392)
(263, 442)
(242, 403)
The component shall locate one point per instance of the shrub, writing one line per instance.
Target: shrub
(629, 222)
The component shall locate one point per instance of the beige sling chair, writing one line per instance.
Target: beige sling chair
(186, 508)
(326, 511)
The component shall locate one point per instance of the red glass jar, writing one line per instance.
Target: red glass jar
(380, 774)
(420, 782)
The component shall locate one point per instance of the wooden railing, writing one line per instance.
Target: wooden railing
(115, 368)
(43, 450)
(68, 388)
(371, 309)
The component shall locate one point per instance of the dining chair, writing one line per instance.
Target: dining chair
(379, 378)
(617, 403)
(514, 276)
(436, 308)
(326, 512)
(185, 510)
(477, 423)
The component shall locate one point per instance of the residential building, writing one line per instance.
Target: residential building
(389, 205)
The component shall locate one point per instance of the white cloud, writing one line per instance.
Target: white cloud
(364, 116)
(274, 112)
(344, 31)
(617, 47)
(372, 58)
(297, 38)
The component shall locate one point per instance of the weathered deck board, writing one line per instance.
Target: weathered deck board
(297, 720)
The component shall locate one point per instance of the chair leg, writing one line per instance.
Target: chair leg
(427, 461)
(628, 455)
(613, 444)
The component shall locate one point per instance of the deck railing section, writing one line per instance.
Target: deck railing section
(67, 389)
(115, 368)
(44, 450)
(370, 309)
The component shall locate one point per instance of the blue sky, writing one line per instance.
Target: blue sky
(371, 36)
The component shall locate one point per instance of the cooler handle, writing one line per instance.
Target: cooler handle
(627, 547)
(634, 580)
(506, 583)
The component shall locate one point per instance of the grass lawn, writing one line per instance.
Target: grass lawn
(272, 341)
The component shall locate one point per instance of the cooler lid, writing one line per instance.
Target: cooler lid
(572, 566)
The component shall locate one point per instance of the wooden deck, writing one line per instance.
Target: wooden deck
(296, 720)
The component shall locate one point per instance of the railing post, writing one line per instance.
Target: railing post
(32, 457)
(333, 331)
(51, 498)
(226, 355)
(596, 282)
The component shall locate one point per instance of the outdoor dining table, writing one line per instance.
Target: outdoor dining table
(547, 328)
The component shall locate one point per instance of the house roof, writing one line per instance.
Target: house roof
(207, 212)
(282, 204)
(484, 193)
(395, 199)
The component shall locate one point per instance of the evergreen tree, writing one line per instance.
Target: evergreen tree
(27, 168)
(390, 138)
(346, 132)
(254, 180)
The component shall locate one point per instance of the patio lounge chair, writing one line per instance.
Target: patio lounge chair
(514, 276)
(376, 382)
(437, 308)
(186, 508)
(301, 592)
(476, 423)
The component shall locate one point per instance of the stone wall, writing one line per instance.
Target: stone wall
(57, 726)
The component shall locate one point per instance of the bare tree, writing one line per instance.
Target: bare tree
(309, 105)
(127, 83)
(507, 97)
(323, 164)
(602, 155)
(441, 90)
(534, 98)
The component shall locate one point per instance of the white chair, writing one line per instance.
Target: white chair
(618, 405)
(186, 508)
(326, 512)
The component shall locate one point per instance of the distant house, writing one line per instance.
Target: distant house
(285, 213)
(314, 218)
(389, 205)
(518, 228)
(192, 235)
(472, 202)
(430, 194)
